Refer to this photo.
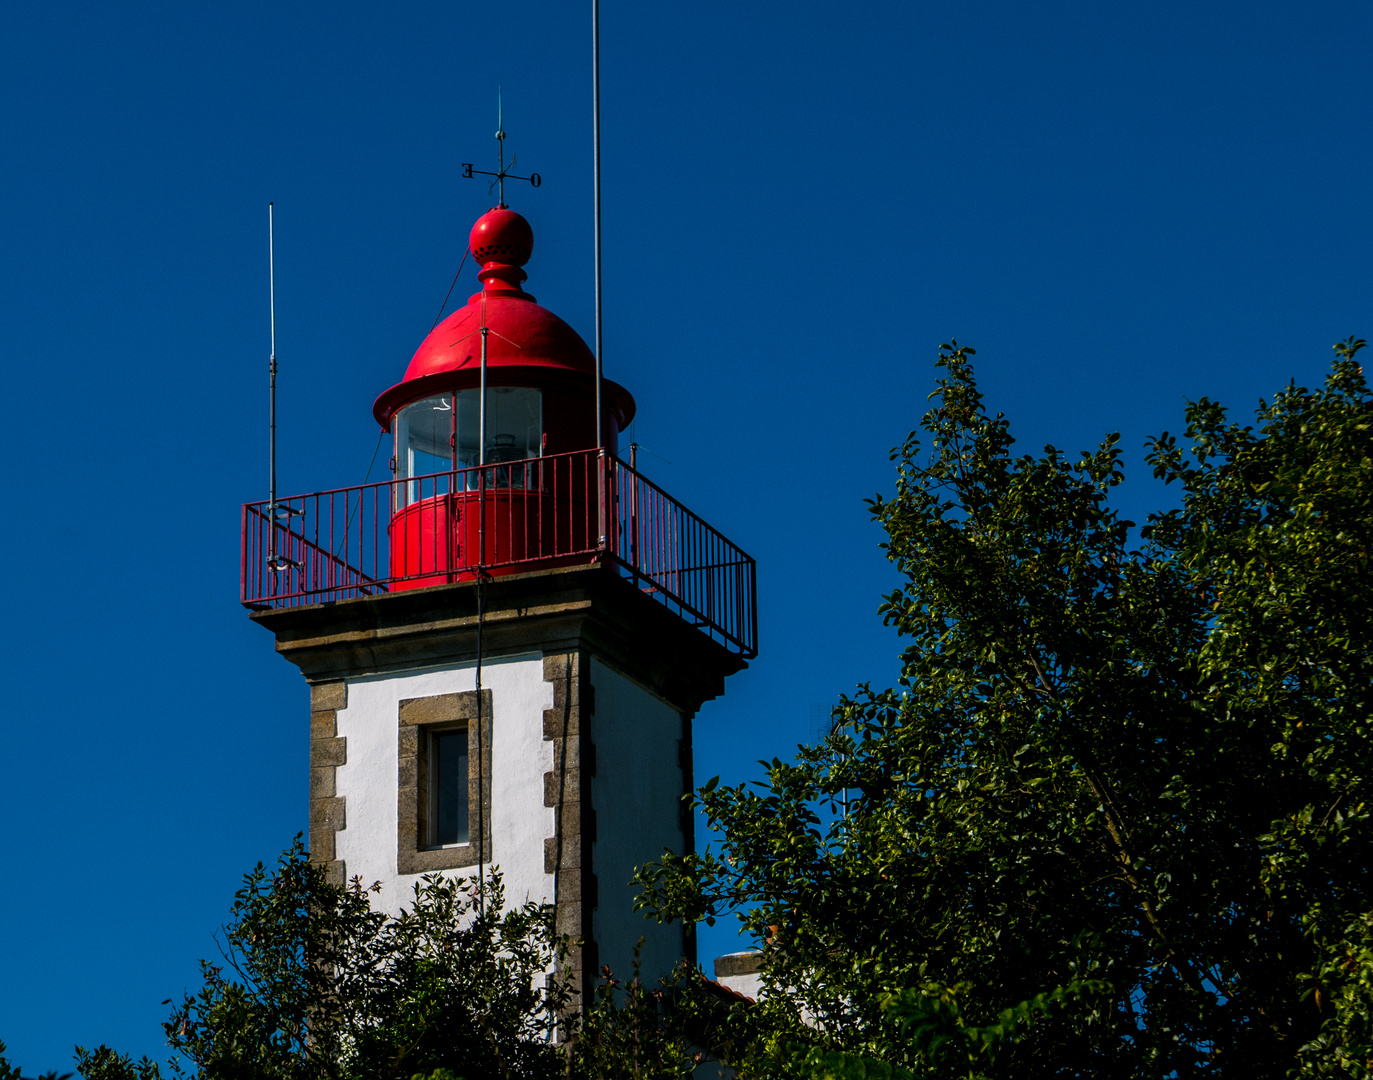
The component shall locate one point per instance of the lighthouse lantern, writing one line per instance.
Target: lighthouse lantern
(530, 495)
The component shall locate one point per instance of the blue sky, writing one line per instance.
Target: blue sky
(1121, 206)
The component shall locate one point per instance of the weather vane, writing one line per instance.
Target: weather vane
(500, 177)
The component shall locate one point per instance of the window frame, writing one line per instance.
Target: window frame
(418, 720)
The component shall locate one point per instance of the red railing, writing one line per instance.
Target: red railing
(561, 510)
(689, 565)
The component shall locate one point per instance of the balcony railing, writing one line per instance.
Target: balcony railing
(560, 510)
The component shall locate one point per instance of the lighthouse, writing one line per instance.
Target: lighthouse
(507, 640)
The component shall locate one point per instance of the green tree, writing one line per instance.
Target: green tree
(8, 1071)
(1120, 795)
(317, 983)
(633, 1032)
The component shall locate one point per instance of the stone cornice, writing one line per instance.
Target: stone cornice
(545, 611)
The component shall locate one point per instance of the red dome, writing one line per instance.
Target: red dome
(527, 345)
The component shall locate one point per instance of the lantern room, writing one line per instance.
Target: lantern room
(490, 426)
(497, 469)
(542, 370)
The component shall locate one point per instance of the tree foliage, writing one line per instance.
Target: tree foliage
(10, 1071)
(1112, 822)
(314, 982)
(1129, 776)
(637, 1032)
(931, 1021)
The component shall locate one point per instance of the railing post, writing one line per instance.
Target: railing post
(603, 469)
(753, 607)
(634, 520)
(243, 558)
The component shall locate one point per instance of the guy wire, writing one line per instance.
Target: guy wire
(352, 509)
(449, 292)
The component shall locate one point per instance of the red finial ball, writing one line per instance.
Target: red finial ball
(501, 236)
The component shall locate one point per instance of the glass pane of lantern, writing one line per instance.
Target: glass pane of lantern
(514, 432)
(514, 424)
(423, 433)
(468, 426)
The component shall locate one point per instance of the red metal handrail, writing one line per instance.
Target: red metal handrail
(688, 564)
(498, 519)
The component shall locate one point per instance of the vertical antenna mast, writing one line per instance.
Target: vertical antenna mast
(272, 396)
(481, 613)
(596, 182)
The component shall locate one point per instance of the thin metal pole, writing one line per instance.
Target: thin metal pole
(481, 756)
(500, 143)
(481, 405)
(481, 615)
(634, 505)
(602, 493)
(481, 454)
(272, 406)
(596, 181)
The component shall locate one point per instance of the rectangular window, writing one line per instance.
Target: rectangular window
(443, 797)
(448, 787)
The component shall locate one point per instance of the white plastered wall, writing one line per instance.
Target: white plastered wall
(519, 758)
(636, 794)
(748, 985)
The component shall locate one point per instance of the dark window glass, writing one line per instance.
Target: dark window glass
(448, 788)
